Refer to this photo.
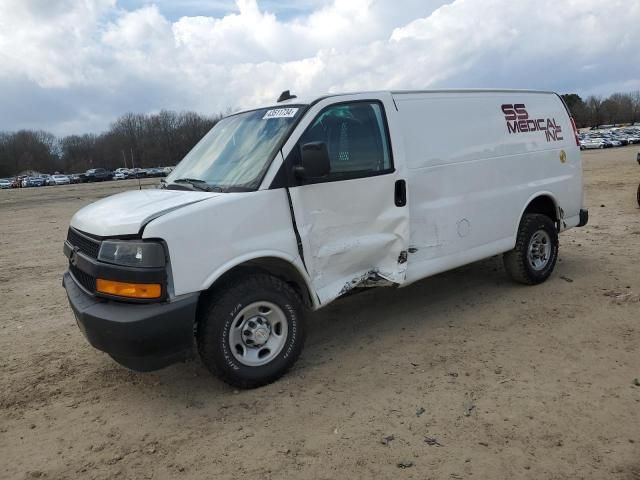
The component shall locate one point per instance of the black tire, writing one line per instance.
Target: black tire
(517, 262)
(638, 196)
(217, 315)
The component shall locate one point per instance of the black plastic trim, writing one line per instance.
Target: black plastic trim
(296, 231)
(400, 194)
(98, 238)
(584, 217)
(141, 337)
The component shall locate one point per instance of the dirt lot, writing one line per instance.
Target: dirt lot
(466, 374)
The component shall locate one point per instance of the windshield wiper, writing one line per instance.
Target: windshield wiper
(196, 183)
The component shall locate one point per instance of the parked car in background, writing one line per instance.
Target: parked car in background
(137, 173)
(155, 172)
(4, 183)
(591, 144)
(610, 137)
(78, 178)
(167, 170)
(59, 179)
(33, 182)
(122, 173)
(98, 175)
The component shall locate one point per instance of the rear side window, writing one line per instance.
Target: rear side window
(356, 138)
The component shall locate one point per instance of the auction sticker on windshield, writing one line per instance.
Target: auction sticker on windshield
(280, 113)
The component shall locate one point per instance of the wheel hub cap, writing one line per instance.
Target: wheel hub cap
(258, 333)
(539, 251)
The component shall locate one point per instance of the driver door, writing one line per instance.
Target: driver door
(353, 221)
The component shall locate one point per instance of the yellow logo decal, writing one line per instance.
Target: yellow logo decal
(563, 156)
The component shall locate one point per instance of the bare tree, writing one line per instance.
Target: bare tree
(594, 104)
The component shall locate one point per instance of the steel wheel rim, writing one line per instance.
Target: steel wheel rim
(539, 251)
(258, 333)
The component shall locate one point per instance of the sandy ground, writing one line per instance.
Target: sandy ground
(465, 374)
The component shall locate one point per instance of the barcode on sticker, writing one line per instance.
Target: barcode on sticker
(280, 113)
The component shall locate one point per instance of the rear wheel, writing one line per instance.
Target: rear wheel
(252, 332)
(534, 257)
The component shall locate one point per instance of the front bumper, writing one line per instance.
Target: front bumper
(141, 337)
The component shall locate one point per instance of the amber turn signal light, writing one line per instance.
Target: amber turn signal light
(129, 290)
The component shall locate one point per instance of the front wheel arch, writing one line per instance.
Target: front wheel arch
(270, 265)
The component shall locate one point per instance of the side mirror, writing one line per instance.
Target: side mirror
(314, 161)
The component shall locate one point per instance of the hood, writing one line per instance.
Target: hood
(126, 213)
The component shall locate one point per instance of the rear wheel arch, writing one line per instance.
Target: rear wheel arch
(543, 204)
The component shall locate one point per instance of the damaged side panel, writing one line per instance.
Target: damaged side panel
(353, 235)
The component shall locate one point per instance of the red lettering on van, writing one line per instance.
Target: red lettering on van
(518, 121)
(509, 113)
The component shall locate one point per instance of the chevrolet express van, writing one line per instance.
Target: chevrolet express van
(285, 208)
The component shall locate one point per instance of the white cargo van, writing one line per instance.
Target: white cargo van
(285, 208)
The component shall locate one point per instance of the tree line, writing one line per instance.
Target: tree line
(595, 111)
(139, 140)
(133, 140)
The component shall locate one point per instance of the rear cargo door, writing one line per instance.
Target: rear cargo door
(353, 223)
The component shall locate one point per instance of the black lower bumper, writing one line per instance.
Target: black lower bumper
(141, 337)
(584, 217)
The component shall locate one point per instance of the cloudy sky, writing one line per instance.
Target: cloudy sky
(73, 66)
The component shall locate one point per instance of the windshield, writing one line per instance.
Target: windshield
(237, 151)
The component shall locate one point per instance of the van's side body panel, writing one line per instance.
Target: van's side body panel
(471, 174)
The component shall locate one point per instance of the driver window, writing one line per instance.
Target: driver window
(355, 137)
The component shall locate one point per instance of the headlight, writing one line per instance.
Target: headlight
(132, 253)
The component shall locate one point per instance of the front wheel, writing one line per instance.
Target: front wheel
(252, 332)
(534, 257)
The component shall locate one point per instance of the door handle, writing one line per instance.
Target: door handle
(400, 194)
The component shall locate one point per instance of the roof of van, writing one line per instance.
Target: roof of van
(307, 99)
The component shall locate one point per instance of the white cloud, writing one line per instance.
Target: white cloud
(102, 59)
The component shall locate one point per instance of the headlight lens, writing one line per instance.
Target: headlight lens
(132, 253)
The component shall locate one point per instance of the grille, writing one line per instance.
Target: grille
(86, 245)
(83, 278)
